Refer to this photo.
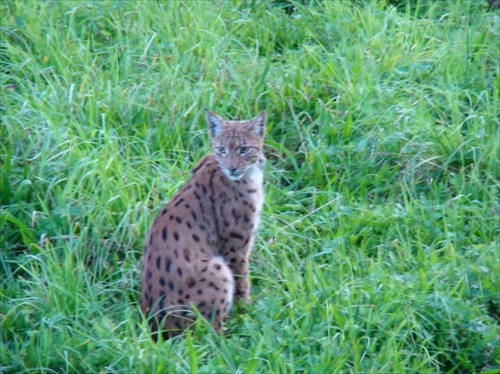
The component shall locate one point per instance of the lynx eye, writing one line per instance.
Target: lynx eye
(220, 150)
(244, 150)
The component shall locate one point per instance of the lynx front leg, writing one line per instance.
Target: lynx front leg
(239, 267)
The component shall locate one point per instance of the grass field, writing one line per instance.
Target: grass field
(378, 250)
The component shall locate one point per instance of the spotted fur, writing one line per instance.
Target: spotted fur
(197, 249)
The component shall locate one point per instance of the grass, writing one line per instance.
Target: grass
(378, 249)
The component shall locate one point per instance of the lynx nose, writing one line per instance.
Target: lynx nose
(233, 170)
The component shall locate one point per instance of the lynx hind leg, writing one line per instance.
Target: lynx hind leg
(170, 321)
(211, 290)
(215, 291)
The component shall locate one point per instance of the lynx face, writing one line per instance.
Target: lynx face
(237, 145)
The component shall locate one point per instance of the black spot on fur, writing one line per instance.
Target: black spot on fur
(179, 271)
(162, 281)
(176, 236)
(190, 283)
(235, 215)
(196, 238)
(178, 219)
(158, 262)
(164, 211)
(211, 284)
(171, 285)
(198, 167)
(179, 202)
(164, 233)
(235, 235)
(194, 215)
(168, 263)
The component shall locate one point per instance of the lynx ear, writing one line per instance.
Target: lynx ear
(258, 124)
(214, 122)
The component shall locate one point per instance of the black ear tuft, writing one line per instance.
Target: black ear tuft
(258, 124)
(214, 123)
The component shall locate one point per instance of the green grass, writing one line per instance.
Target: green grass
(379, 245)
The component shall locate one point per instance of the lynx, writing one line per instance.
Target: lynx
(197, 249)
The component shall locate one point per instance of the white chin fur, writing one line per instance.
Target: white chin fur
(235, 177)
(256, 174)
